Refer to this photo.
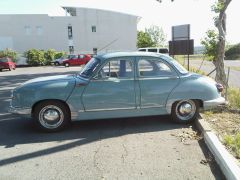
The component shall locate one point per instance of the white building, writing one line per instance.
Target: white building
(82, 30)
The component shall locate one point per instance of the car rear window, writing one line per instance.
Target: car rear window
(152, 50)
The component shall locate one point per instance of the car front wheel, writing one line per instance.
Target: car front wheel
(56, 63)
(185, 111)
(51, 116)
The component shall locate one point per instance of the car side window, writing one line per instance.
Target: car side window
(120, 68)
(152, 67)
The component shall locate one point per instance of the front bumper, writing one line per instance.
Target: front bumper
(213, 103)
(20, 111)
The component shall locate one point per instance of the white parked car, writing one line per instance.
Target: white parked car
(154, 49)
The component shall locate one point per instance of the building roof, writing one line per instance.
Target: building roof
(72, 11)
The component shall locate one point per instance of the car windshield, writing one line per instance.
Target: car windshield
(3, 60)
(87, 71)
(177, 65)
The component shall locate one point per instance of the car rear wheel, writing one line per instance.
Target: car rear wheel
(51, 116)
(66, 64)
(185, 111)
(56, 63)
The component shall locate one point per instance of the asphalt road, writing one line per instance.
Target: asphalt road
(131, 148)
(208, 66)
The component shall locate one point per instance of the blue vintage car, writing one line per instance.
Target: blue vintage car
(116, 85)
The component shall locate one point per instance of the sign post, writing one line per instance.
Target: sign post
(181, 43)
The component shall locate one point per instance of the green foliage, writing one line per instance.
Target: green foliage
(233, 52)
(218, 6)
(151, 37)
(233, 142)
(49, 56)
(233, 95)
(41, 58)
(144, 40)
(157, 35)
(35, 57)
(9, 53)
(210, 44)
(59, 55)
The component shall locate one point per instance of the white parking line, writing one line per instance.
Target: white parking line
(4, 114)
(7, 88)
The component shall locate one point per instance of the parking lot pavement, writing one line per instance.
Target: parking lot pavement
(131, 148)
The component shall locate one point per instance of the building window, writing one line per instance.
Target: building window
(70, 34)
(39, 30)
(71, 50)
(94, 29)
(94, 50)
(27, 30)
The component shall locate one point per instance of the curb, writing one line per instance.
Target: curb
(224, 159)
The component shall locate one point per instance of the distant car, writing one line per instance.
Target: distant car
(117, 85)
(78, 60)
(59, 61)
(155, 50)
(7, 63)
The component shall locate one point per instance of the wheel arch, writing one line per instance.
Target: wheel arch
(46, 100)
(171, 102)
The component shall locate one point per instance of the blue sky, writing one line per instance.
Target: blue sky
(197, 13)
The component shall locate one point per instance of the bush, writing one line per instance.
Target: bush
(59, 54)
(9, 53)
(40, 57)
(233, 52)
(35, 57)
(49, 56)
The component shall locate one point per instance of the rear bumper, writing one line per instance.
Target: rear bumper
(213, 103)
(20, 111)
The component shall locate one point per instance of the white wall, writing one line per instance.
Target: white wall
(23, 32)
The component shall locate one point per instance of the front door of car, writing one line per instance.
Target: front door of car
(112, 88)
(156, 80)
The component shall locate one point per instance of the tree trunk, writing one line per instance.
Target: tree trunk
(219, 61)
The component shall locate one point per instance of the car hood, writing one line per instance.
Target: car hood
(50, 78)
(44, 88)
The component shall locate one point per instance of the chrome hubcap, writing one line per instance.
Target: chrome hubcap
(51, 117)
(185, 109)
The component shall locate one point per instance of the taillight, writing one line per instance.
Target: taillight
(219, 87)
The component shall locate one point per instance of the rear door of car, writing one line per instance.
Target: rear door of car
(156, 80)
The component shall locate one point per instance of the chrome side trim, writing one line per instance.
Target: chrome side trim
(20, 111)
(213, 103)
(146, 107)
(110, 109)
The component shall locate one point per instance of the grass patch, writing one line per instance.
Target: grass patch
(234, 68)
(233, 142)
(233, 96)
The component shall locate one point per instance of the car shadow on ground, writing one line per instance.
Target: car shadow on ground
(17, 131)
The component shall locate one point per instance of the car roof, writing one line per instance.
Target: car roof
(128, 54)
